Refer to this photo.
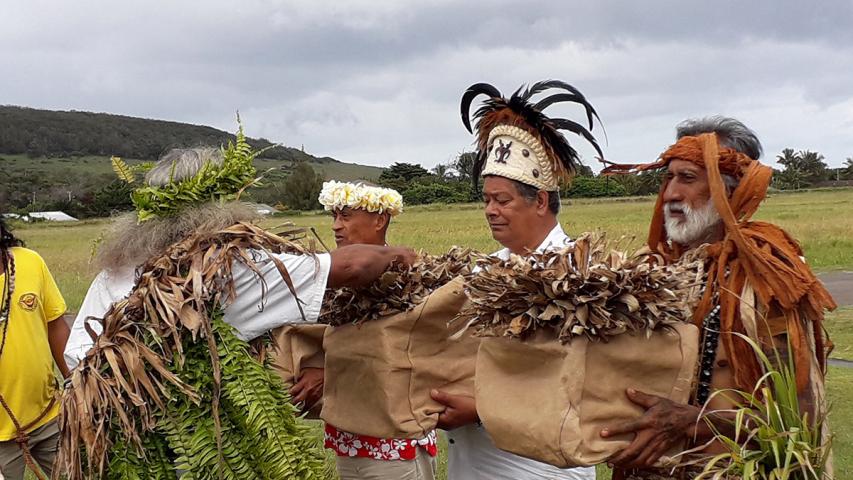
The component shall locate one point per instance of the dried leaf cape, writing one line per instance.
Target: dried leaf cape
(397, 290)
(752, 254)
(516, 140)
(168, 385)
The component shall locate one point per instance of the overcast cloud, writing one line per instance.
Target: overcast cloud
(379, 81)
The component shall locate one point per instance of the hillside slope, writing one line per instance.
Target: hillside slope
(53, 157)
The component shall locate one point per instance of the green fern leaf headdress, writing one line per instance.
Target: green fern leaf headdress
(213, 182)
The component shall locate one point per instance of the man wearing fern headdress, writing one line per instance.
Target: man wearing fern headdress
(523, 158)
(177, 384)
(759, 289)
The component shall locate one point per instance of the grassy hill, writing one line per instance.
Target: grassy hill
(50, 158)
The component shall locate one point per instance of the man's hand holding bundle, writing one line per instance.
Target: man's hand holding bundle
(664, 426)
(459, 410)
(309, 389)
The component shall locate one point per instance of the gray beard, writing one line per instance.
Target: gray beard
(698, 224)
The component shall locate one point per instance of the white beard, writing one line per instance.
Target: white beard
(697, 224)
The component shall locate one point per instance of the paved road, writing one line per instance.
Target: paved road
(840, 285)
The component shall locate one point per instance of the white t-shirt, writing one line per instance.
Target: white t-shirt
(252, 313)
(473, 456)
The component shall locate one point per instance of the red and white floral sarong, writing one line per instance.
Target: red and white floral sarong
(346, 444)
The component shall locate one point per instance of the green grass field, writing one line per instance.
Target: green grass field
(820, 220)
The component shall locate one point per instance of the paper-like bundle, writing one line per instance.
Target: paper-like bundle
(568, 332)
(296, 347)
(379, 373)
(586, 289)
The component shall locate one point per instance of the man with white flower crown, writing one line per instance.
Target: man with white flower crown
(361, 214)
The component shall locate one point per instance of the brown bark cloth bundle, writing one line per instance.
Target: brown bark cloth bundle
(296, 347)
(567, 333)
(390, 344)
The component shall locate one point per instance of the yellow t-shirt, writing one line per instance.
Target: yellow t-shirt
(26, 365)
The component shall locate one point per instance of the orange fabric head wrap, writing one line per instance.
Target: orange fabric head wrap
(758, 252)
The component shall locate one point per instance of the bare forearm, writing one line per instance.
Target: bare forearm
(57, 337)
(359, 265)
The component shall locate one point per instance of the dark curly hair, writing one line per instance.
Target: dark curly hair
(7, 238)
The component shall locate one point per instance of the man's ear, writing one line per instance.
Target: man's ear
(382, 221)
(541, 202)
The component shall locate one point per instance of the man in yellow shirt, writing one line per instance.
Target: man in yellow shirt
(32, 338)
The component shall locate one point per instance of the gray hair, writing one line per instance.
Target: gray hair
(530, 193)
(732, 133)
(180, 164)
(128, 243)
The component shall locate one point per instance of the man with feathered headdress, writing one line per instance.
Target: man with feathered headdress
(523, 158)
(201, 280)
(758, 287)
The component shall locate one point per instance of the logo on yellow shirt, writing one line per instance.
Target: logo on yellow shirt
(28, 301)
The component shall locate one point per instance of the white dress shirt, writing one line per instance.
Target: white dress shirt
(251, 313)
(472, 454)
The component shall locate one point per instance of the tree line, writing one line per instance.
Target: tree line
(451, 182)
(297, 186)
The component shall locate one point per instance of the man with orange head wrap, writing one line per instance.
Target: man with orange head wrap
(758, 286)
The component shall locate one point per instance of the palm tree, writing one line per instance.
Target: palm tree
(464, 165)
(793, 175)
(848, 168)
(813, 164)
(441, 171)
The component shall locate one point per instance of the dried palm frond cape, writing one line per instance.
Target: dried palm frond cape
(588, 289)
(399, 289)
(516, 140)
(168, 385)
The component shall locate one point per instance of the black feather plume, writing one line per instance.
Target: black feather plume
(529, 115)
(469, 95)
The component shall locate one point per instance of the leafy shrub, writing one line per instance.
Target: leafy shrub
(594, 187)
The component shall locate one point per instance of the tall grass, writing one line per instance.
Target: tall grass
(773, 438)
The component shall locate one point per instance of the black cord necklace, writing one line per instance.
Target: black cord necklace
(8, 288)
(710, 342)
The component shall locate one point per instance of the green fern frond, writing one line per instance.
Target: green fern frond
(123, 171)
(284, 446)
(142, 168)
(212, 182)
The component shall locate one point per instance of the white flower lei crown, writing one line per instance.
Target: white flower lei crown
(337, 195)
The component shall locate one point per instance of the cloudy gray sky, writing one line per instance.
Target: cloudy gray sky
(379, 81)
